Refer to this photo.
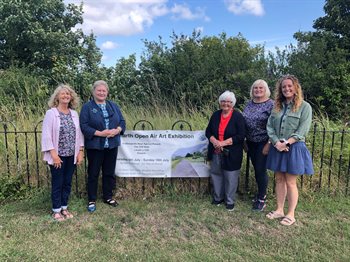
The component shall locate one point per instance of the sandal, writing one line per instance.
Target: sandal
(288, 221)
(111, 202)
(66, 214)
(57, 216)
(91, 207)
(274, 215)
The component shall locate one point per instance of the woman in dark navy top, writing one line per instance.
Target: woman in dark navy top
(102, 123)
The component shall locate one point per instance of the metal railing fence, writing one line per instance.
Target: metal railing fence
(330, 149)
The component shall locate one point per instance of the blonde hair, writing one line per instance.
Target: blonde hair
(99, 83)
(262, 83)
(74, 102)
(279, 97)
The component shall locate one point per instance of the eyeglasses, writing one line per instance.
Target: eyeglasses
(224, 101)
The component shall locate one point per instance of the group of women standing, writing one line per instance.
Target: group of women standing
(274, 134)
(65, 137)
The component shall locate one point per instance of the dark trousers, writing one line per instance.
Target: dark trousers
(259, 164)
(61, 183)
(105, 159)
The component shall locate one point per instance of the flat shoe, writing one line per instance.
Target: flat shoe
(111, 202)
(274, 215)
(66, 214)
(287, 221)
(91, 207)
(57, 216)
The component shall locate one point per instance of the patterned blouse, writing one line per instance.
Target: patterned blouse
(105, 115)
(256, 116)
(66, 140)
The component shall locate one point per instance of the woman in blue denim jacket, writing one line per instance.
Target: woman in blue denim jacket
(102, 123)
(287, 127)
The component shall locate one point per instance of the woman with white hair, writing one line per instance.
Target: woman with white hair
(256, 114)
(226, 133)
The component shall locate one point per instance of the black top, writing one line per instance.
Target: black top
(236, 130)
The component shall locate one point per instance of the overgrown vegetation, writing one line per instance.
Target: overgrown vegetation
(39, 47)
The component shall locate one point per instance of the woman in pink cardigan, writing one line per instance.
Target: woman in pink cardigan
(63, 146)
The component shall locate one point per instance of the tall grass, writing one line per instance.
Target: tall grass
(21, 155)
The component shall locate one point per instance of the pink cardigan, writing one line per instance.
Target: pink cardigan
(51, 130)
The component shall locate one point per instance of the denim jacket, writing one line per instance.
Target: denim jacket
(92, 119)
(286, 123)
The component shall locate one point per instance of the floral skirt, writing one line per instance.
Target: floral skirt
(296, 161)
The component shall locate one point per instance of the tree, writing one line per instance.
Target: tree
(39, 34)
(321, 60)
(195, 70)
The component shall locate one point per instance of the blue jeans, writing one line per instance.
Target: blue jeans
(259, 164)
(61, 183)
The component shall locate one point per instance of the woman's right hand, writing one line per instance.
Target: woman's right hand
(104, 133)
(281, 146)
(57, 162)
(216, 143)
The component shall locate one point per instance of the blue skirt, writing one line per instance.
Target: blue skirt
(296, 161)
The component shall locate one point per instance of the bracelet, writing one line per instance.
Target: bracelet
(82, 150)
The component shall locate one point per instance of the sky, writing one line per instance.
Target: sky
(121, 25)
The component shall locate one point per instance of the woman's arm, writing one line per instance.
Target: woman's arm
(304, 124)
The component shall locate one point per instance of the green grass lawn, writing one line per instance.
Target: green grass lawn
(174, 228)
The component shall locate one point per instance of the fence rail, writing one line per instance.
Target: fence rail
(330, 150)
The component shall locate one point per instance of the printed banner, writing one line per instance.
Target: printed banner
(163, 153)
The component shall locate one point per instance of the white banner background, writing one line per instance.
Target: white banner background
(162, 153)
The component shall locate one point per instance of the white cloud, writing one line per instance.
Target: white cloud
(238, 7)
(184, 12)
(130, 17)
(109, 45)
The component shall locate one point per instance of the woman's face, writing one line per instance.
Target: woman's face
(288, 89)
(100, 94)
(259, 91)
(64, 97)
(226, 105)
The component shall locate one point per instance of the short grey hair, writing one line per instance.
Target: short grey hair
(100, 83)
(228, 96)
(262, 83)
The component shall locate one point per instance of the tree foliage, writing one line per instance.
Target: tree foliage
(40, 35)
(195, 70)
(40, 43)
(321, 60)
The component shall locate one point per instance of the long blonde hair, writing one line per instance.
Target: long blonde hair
(279, 97)
(74, 102)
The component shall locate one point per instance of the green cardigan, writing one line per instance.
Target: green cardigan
(286, 123)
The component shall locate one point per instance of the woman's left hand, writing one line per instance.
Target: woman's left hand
(80, 157)
(266, 149)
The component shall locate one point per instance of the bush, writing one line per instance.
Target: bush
(12, 187)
